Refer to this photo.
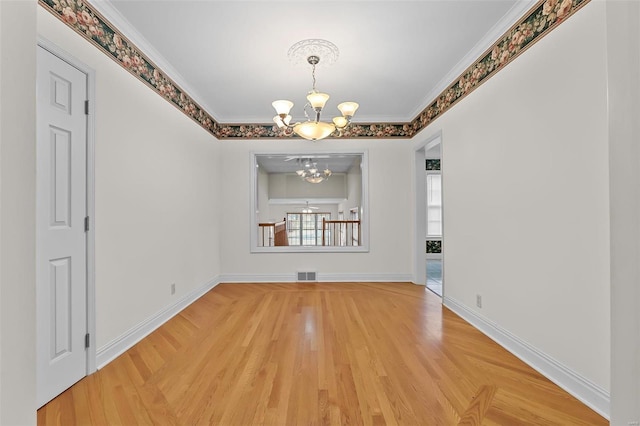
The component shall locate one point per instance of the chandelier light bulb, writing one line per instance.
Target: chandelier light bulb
(317, 100)
(348, 109)
(340, 122)
(282, 107)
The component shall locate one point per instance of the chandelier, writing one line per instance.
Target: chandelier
(314, 129)
(310, 172)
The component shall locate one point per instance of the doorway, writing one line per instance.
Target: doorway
(433, 198)
(428, 215)
(64, 235)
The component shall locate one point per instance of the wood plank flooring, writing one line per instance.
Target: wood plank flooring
(316, 354)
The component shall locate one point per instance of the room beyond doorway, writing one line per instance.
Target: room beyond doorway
(434, 276)
(434, 222)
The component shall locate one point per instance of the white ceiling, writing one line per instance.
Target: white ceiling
(231, 56)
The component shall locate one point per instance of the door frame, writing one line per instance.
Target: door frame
(90, 196)
(420, 209)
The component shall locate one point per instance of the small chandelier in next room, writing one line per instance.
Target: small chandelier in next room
(310, 172)
(314, 129)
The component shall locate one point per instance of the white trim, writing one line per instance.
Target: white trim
(322, 277)
(420, 206)
(90, 188)
(121, 24)
(119, 345)
(580, 387)
(258, 278)
(419, 217)
(514, 14)
(358, 277)
(303, 201)
(310, 249)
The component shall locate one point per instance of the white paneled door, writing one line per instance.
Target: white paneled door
(61, 246)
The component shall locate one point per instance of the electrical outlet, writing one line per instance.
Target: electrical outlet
(478, 301)
(173, 288)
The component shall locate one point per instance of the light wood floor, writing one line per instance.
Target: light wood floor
(311, 354)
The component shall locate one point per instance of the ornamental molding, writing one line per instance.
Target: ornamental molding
(299, 53)
(88, 22)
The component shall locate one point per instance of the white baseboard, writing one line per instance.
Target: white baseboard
(257, 278)
(322, 277)
(392, 278)
(118, 346)
(586, 391)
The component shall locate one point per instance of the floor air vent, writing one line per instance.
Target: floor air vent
(307, 276)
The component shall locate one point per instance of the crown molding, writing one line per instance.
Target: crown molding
(113, 15)
(539, 21)
(86, 20)
(303, 201)
(498, 31)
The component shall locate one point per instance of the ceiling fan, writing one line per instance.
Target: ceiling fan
(305, 157)
(309, 209)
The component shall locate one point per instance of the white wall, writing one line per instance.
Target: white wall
(390, 215)
(526, 208)
(289, 185)
(262, 188)
(17, 212)
(354, 190)
(623, 42)
(157, 194)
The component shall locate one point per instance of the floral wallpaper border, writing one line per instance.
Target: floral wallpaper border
(432, 164)
(434, 246)
(355, 130)
(538, 22)
(86, 21)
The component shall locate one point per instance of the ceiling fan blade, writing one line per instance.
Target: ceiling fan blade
(308, 207)
(305, 157)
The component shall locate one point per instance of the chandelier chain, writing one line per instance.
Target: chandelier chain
(313, 75)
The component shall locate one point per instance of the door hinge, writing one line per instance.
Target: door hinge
(86, 107)
(87, 340)
(86, 224)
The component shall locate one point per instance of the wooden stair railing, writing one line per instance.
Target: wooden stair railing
(273, 234)
(340, 232)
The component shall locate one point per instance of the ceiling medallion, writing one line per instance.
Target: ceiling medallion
(313, 129)
(299, 52)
